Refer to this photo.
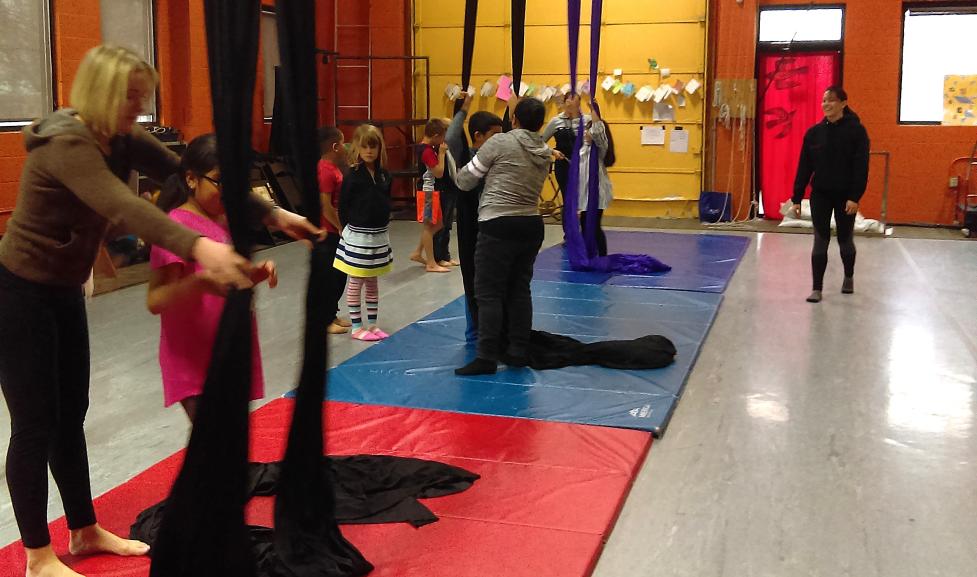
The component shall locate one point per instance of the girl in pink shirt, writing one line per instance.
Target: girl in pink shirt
(186, 297)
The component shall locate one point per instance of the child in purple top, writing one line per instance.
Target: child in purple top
(186, 298)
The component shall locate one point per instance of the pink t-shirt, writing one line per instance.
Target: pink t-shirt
(188, 330)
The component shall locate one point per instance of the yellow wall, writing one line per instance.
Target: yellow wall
(648, 180)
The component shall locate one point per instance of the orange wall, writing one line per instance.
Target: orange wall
(184, 71)
(921, 155)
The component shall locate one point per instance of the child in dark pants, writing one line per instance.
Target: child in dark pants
(481, 126)
(510, 233)
(330, 183)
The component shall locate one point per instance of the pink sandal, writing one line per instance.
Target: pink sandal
(364, 335)
(379, 333)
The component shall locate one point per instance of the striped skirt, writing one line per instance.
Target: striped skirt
(364, 252)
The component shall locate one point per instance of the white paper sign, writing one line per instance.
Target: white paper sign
(664, 112)
(680, 141)
(652, 135)
(608, 83)
(663, 91)
(645, 94)
(692, 86)
(618, 71)
(666, 72)
(488, 88)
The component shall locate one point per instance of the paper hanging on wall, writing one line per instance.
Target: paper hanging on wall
(608, 83)
(663, 112)
(678, 86)
(565, 89)
(524, 89)
(663, 92)
(652, 135)
(583, 87)
(504, 91)
(452, 90)
(666, 72)
(679, 142)
(546, 93)
(618, 86)
(618, 71)
(680, 100)
(692, 86)
(471, 90)
(628, 89)
(488, 88)
(645, 94)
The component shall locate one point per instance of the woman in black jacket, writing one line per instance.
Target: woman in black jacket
(835, 153)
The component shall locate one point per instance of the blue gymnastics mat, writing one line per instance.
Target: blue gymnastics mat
(700, 262)
(414, 367)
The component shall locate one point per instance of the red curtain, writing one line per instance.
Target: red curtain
(792, 85)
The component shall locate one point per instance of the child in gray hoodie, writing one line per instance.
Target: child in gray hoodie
(514, 166)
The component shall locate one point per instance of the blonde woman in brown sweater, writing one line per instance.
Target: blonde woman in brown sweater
(72, 191)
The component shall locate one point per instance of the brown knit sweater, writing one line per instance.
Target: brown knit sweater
(71, 194)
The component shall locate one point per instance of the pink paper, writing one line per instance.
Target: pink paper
(504, 91)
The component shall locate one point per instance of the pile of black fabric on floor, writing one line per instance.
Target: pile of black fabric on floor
(550, 351)
(368, 489)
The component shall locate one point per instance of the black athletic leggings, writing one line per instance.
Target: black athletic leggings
(44, 368)
(822, 205)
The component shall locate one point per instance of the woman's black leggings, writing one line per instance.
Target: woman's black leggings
(44, 369)
(822, 205)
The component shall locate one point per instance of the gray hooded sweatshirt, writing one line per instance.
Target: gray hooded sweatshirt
(514, 166)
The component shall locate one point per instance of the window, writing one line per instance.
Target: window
(129, 23)
(26, 85)
(270, 57)
(801, 25)
(936, 42)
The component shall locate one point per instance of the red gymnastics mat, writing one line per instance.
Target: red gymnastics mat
(546, 502)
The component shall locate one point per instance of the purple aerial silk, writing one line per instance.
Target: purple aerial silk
(582, 248)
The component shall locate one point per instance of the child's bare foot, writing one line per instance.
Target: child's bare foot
(343, 322)
(437, 268)
(44, 563)
(416, 257)
(95, 539)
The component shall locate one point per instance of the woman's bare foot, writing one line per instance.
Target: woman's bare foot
(94, 539)
(416, 257)
(437, 268)
(43, 562)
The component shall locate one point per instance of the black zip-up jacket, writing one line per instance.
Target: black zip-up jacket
(363, 201)
(836, 154)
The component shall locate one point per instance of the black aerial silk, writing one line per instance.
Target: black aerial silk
(203, 531)
(467, 203)
(518, 50)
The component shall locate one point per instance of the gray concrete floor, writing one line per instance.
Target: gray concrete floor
(812, 440)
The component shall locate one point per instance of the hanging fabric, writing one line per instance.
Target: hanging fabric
(467, 203)
(203, 533)
(307, 539)
(518, 37)
(582, 247)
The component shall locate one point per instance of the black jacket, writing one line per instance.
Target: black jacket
(363, 201)
(836, 154)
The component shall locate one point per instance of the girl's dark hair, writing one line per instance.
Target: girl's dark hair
(199, 159)
(838, 91)
(609, 157)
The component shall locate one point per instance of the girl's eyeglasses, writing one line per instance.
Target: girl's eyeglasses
(213, 181)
